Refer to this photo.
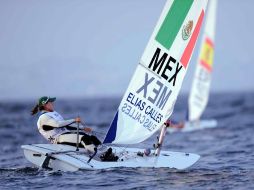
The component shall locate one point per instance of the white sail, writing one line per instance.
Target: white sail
(153, 90)
(201, 83)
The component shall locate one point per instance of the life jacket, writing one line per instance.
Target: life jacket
(52, 133)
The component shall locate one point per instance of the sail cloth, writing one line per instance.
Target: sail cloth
(202, 79)
(152, 92)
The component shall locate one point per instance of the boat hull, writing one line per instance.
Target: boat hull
(128, 157)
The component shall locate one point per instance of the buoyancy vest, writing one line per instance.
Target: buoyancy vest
(54, 120)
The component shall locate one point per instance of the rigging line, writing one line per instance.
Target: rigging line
(123, 150)
(68, 154)
(77, 145)
(95, 132)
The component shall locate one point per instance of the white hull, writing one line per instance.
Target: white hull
(128, 157)
(193, 126)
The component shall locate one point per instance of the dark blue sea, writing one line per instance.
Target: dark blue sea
(227, 152)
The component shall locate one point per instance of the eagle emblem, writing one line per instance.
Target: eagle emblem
(186, 32)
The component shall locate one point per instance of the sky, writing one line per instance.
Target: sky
(90, 48)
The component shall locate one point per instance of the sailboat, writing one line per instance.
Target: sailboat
(147, 103)
(199, 94)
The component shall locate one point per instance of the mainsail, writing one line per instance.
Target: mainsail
(153, 90)
(201, 83)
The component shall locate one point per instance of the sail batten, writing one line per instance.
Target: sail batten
(154, 87)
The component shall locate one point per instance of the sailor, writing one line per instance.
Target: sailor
(174, 124)
(55, 129)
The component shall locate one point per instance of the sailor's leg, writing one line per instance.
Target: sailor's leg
(90, 139)
(69, 139)
(95, 140)
(88, 143)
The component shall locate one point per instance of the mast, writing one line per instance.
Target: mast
(158, 146)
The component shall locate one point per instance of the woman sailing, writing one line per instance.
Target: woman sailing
(55, 129)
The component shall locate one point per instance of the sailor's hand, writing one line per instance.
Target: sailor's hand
(77, 120)
(181, 125)
(168, 123)
(88, 129)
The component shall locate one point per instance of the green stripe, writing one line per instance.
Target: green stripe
(173, 21)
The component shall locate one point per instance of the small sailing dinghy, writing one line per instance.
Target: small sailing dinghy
(147, 103)
(199, 95)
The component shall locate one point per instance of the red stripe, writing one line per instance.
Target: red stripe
(209, 41)
(206, 66)
(188, 51)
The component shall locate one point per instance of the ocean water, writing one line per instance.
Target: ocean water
(227, 158)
